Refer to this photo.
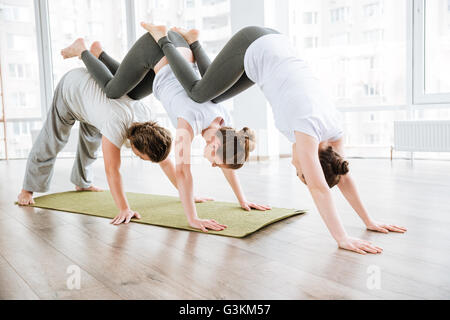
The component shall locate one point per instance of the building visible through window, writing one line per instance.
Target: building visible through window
(310, 17)
(373, 9)
(355, 63)
(311, 42)
(190, 3)
(340, 39)
(341, 14)
(374, 36)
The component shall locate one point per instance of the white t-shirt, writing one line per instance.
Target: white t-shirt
(178, 104)
(88, 103)
(295, 94)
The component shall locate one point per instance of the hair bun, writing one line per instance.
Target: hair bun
(250, 134)
(340, 167)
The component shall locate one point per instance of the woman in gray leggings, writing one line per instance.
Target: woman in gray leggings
(302, 112)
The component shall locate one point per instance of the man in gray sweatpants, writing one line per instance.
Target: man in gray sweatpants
(52, 139)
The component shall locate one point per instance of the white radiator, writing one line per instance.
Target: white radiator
(422, 136)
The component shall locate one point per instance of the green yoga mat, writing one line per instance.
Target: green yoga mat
(166, 211)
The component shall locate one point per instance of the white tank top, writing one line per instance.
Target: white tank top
(295, 94)
(178, 104)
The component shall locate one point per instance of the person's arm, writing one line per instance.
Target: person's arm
(184, 179)
(111, 156)
(168, 167)
(306, 149)
(233, 180)
(348, 188)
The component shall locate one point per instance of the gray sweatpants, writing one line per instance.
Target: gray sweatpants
(52, 139)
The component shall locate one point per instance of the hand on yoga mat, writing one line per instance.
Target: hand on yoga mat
(125, 216)
(359, 246)
(248, 206)
(205, 224)
(385, 228)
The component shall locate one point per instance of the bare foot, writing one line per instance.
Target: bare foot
(74, 50)
(25, 198)
(91, 188)
(157, 32)
(96, 49)
(189, 35)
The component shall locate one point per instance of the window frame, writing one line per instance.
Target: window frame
(42, 20)
(420, 97)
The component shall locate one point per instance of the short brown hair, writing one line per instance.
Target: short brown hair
(333, 166)
(235, 146)
(151, 139)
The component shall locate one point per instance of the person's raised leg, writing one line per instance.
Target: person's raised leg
(98, 52)
(180, 66)
(145, 87)
(141, 58)
(96, 68)
(203, 63)
(89, 141)
(200, 55)
(142, 89)
(224, 71)
(50, 141)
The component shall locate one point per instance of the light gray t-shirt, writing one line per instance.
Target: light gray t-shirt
(177, 103)
(298, 100)
(88, 103)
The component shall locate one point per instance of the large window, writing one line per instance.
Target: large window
(431, 49)
(361, 60)
(102, 20)
(369, 133)
(381, 60)
(20, 76)
(437, 46)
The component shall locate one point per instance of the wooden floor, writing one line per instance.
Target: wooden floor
(293, 259)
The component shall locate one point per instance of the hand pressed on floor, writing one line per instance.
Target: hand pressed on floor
(125, 216)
